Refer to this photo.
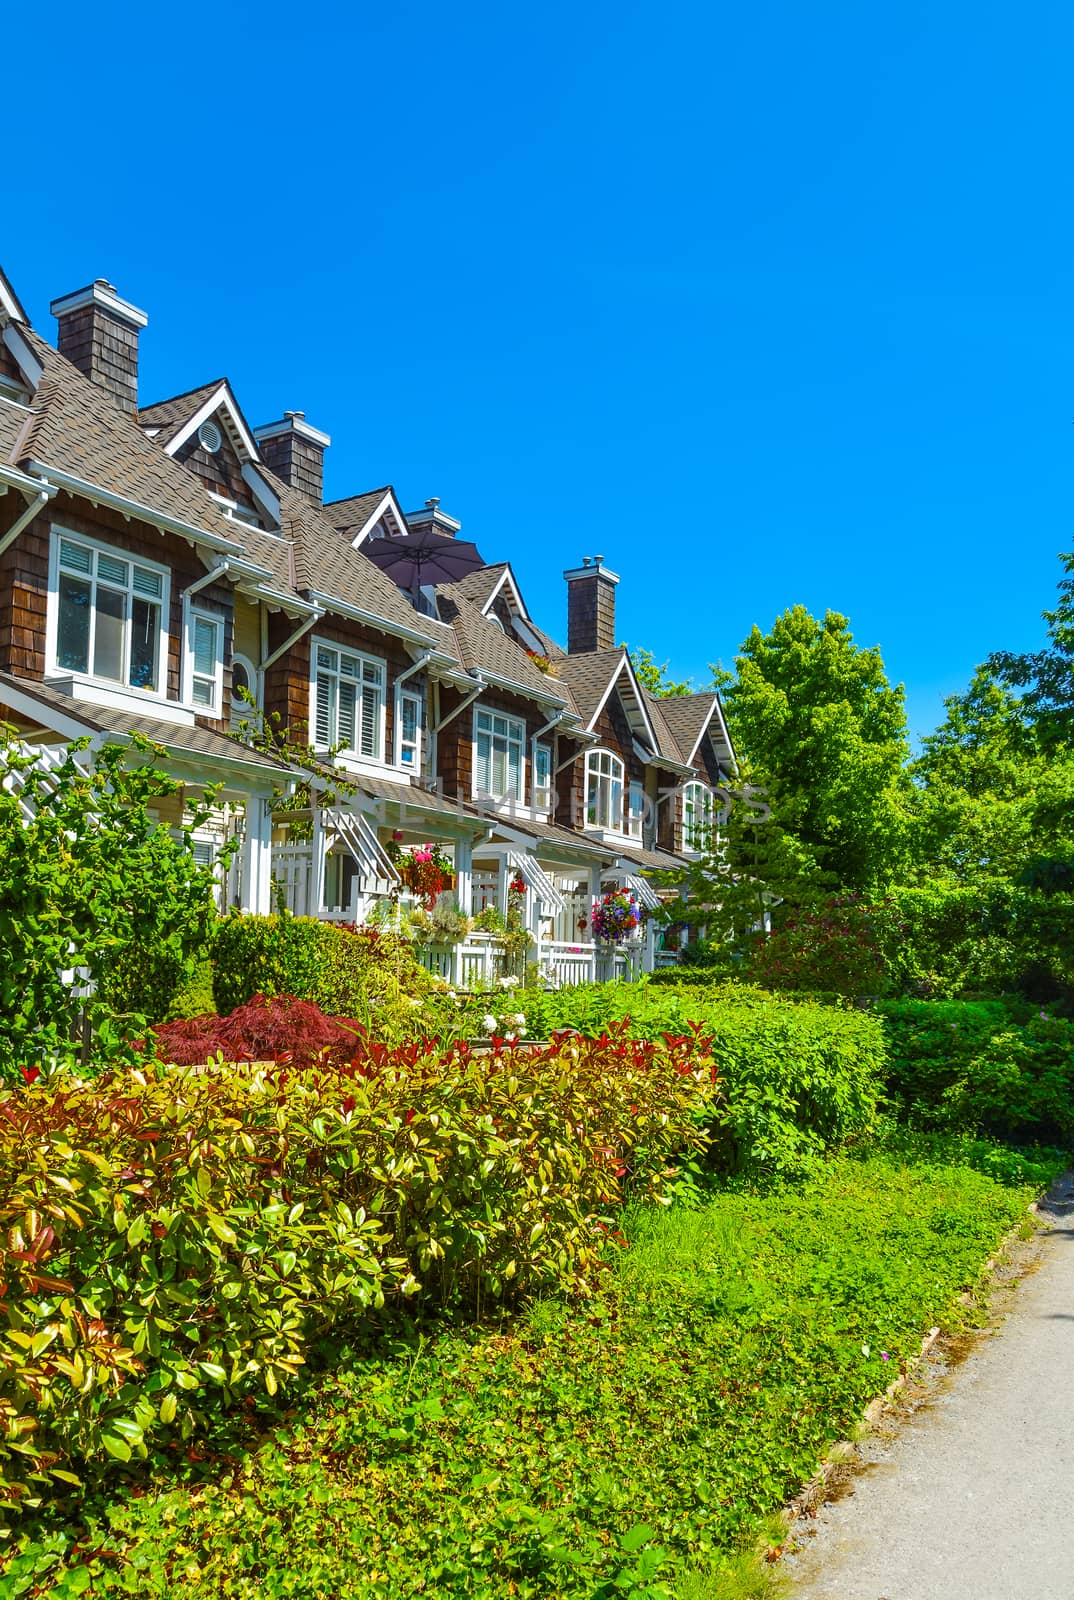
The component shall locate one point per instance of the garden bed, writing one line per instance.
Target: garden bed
(640, 1443)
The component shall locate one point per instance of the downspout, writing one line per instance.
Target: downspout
(38, 503)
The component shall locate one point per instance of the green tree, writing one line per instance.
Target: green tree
(89, 886)
(653, 675)
(824, 735)
(1046, 677)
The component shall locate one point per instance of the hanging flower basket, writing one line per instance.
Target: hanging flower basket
(427, 871)
(615, 916)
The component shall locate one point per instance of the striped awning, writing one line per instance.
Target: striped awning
(538, 880)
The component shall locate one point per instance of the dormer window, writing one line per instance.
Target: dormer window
(108, 614)
(604, 774)
(698, 816)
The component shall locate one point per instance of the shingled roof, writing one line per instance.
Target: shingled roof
(180, 738)
(324, 562)
(352, 514)
(689, 715)
(79, 429)
(168, 416)
(589, 675)
(486, 648)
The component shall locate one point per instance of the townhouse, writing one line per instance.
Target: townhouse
(171, 570)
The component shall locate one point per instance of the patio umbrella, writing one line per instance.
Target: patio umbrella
(424, 557)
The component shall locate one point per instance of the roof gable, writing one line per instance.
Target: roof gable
(690, 717)
(10, 304)
(358, 515)
(175, 421)
(594, 676)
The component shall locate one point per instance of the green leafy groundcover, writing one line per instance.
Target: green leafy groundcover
(627, 1446)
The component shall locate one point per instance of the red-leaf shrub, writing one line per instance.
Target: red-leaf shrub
(267, 1029)
(172, 1238)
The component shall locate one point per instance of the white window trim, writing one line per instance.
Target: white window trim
(543, 807)
(106, 691)
(602, 829)
(351, 760)
(240, 658)
(707, 797)
(191, 612)
(634, 786)
(405, 693)
(509, 802)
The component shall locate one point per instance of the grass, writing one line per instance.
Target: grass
(635, 1445)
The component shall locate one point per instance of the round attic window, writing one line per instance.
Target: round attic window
(210, 436)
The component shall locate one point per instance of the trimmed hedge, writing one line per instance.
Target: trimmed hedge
(798, 1078)
(174, 1241)
(343, 970)
(999, 1068)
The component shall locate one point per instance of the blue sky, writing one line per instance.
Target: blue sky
(767, 304)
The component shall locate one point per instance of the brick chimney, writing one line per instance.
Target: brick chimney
(99, 335)
(294, 451)
(590, 607)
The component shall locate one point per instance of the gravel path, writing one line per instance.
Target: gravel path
(971, 1493)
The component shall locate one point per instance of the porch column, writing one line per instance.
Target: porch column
(595, 889)
(464, 874)
(257, 857)
(316, 877)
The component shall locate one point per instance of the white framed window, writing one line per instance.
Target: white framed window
(604, 791)
(698, 816)
(542, 776)
(203, 670)
(108, 614)
(499, 755)
(410, 731)
(635, 810)
(347, 696)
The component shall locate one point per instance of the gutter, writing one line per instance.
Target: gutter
(343, 608)
(42, 494)
(133, 508)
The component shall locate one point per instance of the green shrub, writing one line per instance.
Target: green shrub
(1004, 1069)
(798, 1078)
(343, 970)
(193, 998)
(89, 884)
(174, 1239)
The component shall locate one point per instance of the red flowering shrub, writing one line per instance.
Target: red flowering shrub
(174, 1237)
(266, 1029)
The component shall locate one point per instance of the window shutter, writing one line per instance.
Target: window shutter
(482, 763)
(370, 720)
(324, 710)
(204, 647)
(345, 729)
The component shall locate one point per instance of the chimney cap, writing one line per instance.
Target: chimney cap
(591, 568)
(101, 293)
(293, 422)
